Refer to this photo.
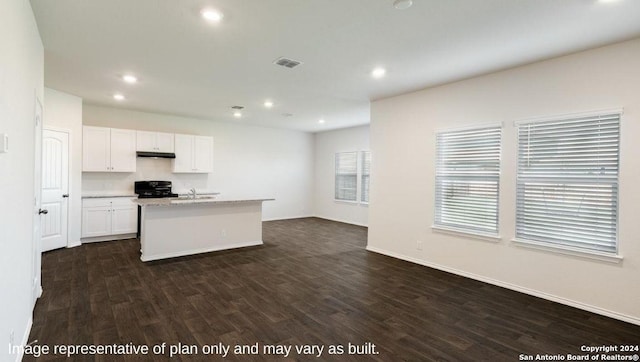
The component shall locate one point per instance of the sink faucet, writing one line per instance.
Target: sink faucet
(192, 192)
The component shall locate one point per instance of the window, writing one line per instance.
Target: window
(346, 176)
(365, 171)
(467, 179)
(567, 186)
(352, 176)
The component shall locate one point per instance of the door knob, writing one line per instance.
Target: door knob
(65, 195)
(43, 211)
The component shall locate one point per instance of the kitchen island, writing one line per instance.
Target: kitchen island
(174, 227)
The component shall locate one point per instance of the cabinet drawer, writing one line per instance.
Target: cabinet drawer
(108, 201)
(96, 202)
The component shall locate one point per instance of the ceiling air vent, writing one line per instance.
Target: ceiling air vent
(285, 62)
(237, 107)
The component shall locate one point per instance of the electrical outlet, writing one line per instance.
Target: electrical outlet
(419, 244)
(223, 233)
(11, 338)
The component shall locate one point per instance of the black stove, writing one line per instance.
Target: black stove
(153, 189)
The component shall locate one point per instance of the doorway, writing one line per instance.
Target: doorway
(38, 211)
(55, 189)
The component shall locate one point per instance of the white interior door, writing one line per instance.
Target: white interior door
(55, 189)
(37, 204)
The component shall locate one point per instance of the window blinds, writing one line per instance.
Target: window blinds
(346, 176)
(365, 172)
(467, 179)
(567, 185)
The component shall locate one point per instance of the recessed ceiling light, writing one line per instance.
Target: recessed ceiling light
(378, 72)
(129, 78)
(212, 15)
(268, 104)
(118, 97)
(402, 4)
(321, 121)
(237, 114)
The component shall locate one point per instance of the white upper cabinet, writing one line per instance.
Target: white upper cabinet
(108, 149)
(96, 149)
(194, 154)
(154, 141)
(203, 154)
(123, 150)
(165, 142)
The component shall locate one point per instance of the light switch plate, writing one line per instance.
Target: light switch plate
(4, 143)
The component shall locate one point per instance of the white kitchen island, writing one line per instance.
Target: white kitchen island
(176, 227)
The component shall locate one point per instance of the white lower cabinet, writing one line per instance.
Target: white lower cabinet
(96, 221)
(109, 218)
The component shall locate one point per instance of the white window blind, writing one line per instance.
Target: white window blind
(567, 187)
(467, 179)
(346, 176)
(365, 166)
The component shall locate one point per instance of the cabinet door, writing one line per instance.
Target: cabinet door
(96, 149)
(124, 219)
(164, 142)
(96, 221)
(184, 153)
(123, 150)
(146, 141)
(203, 154)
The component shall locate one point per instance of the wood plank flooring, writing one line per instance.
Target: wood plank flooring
(311, 283)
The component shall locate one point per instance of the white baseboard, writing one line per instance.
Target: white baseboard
(200, 251)
(287, 217)
(25, 340)
(73, 244)
(517, 288)
(316, 216)
(342, 221)
(97, 239)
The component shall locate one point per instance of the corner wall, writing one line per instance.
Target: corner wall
(327, 145)
(402, 190)
(21, 80)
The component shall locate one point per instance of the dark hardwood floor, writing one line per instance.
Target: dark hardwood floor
(312, 282)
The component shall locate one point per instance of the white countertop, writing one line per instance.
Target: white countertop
(187, 192)
(104, 194)
(173, 201)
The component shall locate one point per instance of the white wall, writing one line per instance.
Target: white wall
(327, 144)
(402, 199)
(21, 79)
(247, 160)
(63, 111)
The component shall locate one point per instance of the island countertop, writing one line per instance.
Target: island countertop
(176, 201)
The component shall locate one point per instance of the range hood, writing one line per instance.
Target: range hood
(156, 154)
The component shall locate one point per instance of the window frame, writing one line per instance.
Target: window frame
(359, 169)
(336, 176)
(565, 248)
(362, 174)
(469, 232)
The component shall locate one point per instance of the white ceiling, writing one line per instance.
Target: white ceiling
(189, 67)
